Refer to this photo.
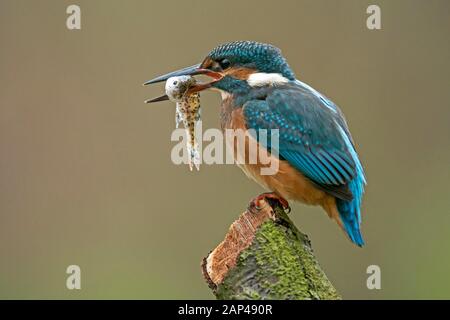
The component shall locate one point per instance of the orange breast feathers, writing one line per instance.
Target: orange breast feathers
(287, 181)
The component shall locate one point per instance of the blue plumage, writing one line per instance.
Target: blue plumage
(261, 56)
(314, 138)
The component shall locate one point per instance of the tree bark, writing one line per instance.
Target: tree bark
(264, 256)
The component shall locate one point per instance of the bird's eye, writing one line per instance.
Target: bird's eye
(224, 64)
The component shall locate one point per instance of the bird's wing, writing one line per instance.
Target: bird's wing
(310, 136)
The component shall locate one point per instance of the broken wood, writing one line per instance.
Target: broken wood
(264, 256)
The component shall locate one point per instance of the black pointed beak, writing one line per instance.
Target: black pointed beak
(189, 71)
(158, 99)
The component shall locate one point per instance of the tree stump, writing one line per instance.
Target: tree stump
(264, 256)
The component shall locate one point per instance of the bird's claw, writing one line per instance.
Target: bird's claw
(257, 203)
(287, 209)
(254, 208)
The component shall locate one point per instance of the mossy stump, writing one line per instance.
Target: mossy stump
(264, 256)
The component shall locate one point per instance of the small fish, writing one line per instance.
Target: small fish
(187, 112)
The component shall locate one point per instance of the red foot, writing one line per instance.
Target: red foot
(257, 203)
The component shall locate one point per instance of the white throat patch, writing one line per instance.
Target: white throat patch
(260, 79)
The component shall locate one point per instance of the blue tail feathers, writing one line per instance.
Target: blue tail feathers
(351, 223)
(350, 211)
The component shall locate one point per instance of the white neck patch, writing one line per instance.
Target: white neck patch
(260, 79)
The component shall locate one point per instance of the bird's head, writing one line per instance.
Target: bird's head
(236, 64)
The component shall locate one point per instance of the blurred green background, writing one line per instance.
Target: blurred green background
(85, 170)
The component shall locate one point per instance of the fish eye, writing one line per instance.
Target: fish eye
(224, 63)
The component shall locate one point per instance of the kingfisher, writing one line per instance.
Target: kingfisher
(318, 162)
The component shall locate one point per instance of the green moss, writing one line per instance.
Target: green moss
(279, 264)
(283, 273)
